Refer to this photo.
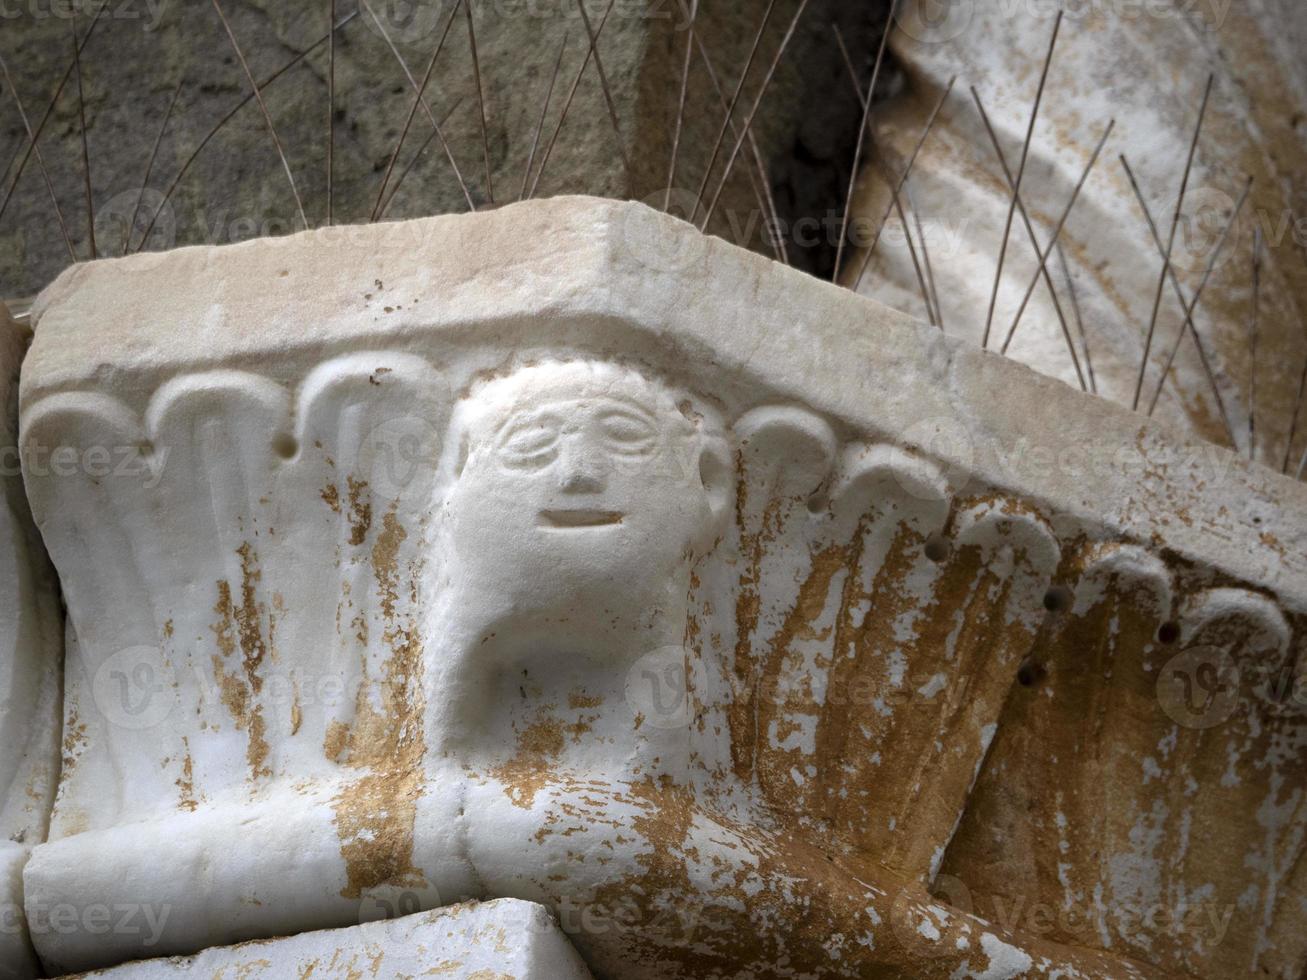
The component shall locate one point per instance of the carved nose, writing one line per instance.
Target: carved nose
(582, 472)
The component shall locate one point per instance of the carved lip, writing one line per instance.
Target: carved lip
(578, 518)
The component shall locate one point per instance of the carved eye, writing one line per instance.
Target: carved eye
(530, 441)
(628, 433)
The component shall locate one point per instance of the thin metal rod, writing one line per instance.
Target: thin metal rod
(1170, 245)
(1185, 302)
(49, 110)
(1029, 225)
(730, 109)
(413, 110)
(907, 170)
(40, 160)
(13, 158)
(1021, 173)
(481, 100)
(1193, 330)
(431, 137)
(748, 120)
(680, 105)
(1302, 467)
(1080, 322)
(86, 149)
(149, 166)
(862, 133)
(1253, 328)
(1293, 420)
(544, 111)
(190, 160)
(331, 112)
(571, 94)
(925, 257)
(426, 109)
(864, 100)
(603, 84)
(1043, 256)
(267, 116)
(765, 199)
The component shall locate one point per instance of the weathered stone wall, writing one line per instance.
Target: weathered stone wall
(237, 188)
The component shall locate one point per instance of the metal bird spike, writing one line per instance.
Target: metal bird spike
(481, 98)
(1170, 245)
(1193, 330)
(748, 120)
(1293, 419)
(1030, 232)
(763, 194)
(925, 257)
(927, 290)
(149, 165)
(680, 105)
(399, 181)
(1043, 257)
(903, 177)
(40, 160)
(267, 116)
(544, 111)
(862, 132)
(331, 112)
(603, 84)
(1189, 306)
(1080, 323)
(1021, 173)
(1253, 327)
(86, 149)
(422, 104)
(195, 154)
(730, 109)
(49, 111)
(413, 111)
(571, 94)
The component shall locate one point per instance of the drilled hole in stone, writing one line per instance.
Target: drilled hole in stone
(284, 445)
(1058, 599)
(938, 548)
(1168, 633)
(1030, 673)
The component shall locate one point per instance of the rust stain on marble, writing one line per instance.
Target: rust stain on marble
(375, 815)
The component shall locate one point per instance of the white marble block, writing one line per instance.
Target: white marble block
(495, 940)
(31, 651)
(562, 553)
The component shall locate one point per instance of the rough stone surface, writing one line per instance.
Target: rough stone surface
(1145, 65)
(237, 188)
(563, 553)
(30, 654)
(503, 940)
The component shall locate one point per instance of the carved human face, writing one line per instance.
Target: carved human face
(581, 493)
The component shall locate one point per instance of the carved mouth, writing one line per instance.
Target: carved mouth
(580, 518)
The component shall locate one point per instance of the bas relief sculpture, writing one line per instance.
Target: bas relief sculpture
(591, 603)
(30, 649)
